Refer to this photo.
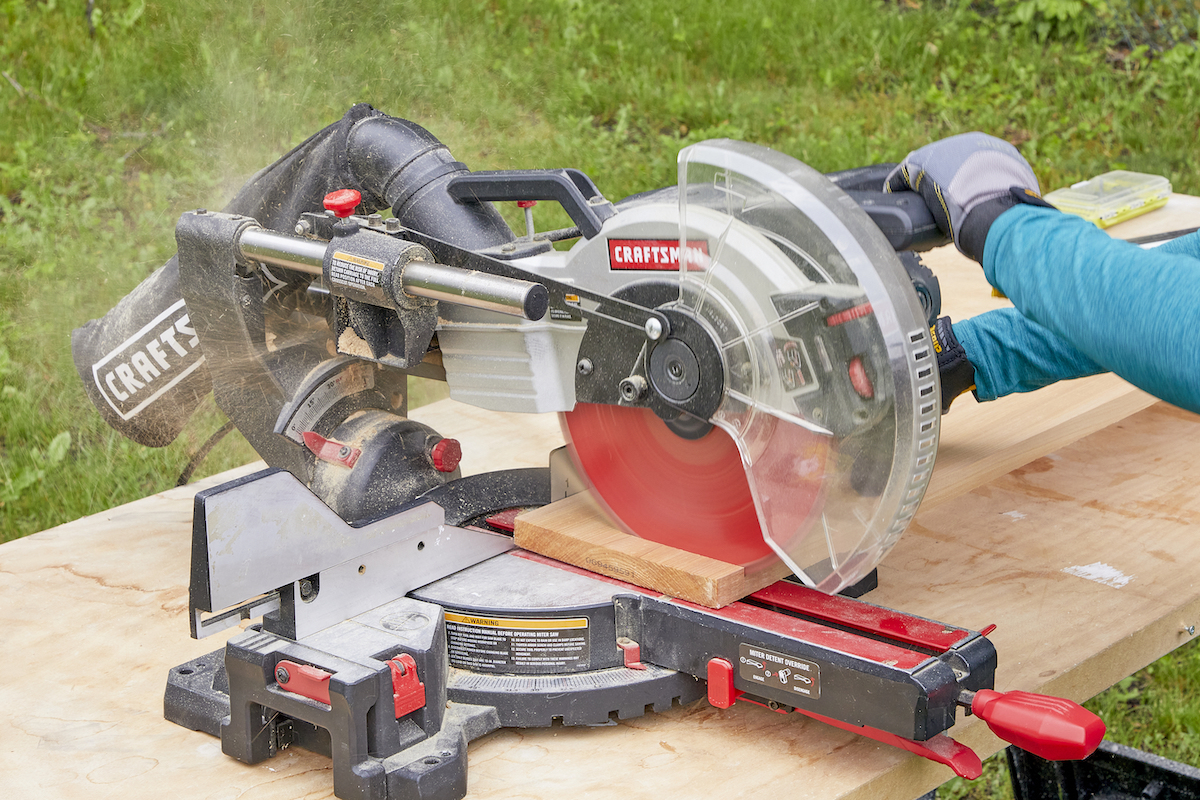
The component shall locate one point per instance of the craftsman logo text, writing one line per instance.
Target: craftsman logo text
(656, 254)
(164, 352)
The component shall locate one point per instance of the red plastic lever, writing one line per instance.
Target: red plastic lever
(721, 692)
(408, 692)
(342, 202)
(331, 451)
(1050, 727)
(303, 680)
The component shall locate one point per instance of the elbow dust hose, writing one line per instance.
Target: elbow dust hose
(142, 364)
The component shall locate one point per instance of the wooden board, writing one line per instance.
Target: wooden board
(576, 531)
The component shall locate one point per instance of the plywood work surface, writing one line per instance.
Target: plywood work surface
(1069, 520)
(1083, 556)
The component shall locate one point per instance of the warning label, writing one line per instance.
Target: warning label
(517, 645)
(360, 274)
(778, 671)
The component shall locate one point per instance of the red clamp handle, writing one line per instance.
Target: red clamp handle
(1050, 727)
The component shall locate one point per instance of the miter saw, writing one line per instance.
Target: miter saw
(743, 368)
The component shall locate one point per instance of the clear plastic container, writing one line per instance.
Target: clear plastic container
(1113, 197)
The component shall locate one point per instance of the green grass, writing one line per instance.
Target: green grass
(171, 105)
(105, 139)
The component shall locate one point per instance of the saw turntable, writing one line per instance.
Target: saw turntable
(744, 373)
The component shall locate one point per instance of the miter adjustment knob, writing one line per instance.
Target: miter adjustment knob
(446, 455)
(342, 202)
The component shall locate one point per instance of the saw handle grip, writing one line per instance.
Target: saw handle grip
(1050, 727)
(903, 217)
(570, 188)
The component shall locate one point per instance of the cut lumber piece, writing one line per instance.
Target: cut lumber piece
(575, 531)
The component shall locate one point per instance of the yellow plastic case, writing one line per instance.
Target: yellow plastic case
(1113, 197)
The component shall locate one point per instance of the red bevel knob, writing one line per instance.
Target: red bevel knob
(445, 455)
(1050, 727)
(342, 202)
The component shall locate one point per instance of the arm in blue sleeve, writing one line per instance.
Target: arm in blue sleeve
(1011, 354)
(1132, 311)
(1185, 246)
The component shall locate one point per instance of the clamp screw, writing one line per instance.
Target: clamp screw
(445, 455)
(585, 366)
(281, 675)
(654, 329)
(342, 202)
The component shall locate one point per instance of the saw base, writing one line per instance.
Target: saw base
(575, 531)
(233, 694)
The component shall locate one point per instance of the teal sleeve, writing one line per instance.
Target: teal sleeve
(1131, 311)
(1185, 245)
(1013, 354)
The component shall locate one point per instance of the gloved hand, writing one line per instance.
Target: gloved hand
(968, 181)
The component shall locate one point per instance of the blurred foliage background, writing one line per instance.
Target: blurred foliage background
(120, 114)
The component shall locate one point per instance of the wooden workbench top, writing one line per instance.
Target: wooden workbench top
(1067, 517)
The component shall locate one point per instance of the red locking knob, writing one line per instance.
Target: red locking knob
(1050, 727)
(342, 202)
(446, 455)
(526, 203)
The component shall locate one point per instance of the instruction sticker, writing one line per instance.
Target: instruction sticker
(362, 275)
(767, 668)
(520, 645)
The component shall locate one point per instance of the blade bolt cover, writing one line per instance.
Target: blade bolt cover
(342, 202)
(446, 455)
(633, 388)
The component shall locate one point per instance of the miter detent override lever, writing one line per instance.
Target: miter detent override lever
(743, 369)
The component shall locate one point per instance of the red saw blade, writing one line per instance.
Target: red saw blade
(692, 494)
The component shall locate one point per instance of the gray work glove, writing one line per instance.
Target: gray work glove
(967, 181)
